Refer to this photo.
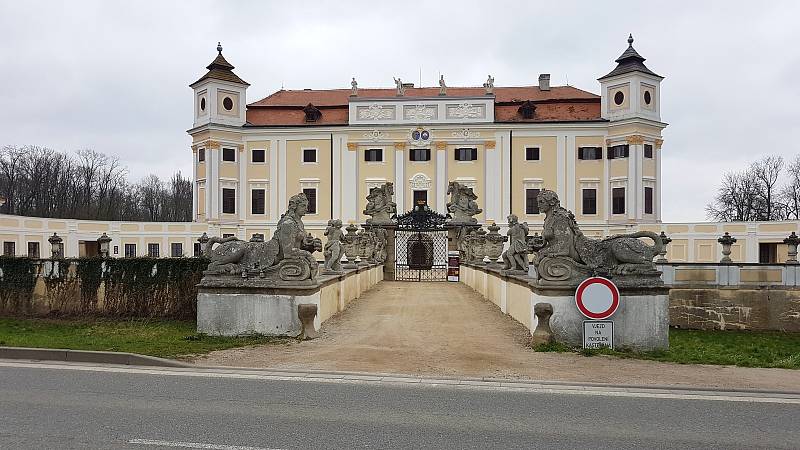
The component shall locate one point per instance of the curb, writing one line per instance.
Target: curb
(87, 356)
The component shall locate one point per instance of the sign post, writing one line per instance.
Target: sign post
(597, 298)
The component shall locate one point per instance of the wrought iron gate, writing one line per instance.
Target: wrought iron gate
(421, 246)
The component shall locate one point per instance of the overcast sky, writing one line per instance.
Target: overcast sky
(113, 76)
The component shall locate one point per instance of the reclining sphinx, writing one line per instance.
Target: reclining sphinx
(286, 257)
(564, 256)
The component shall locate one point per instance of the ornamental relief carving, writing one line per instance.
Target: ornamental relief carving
(466, 134)
(420, 112)
(465, 111)
(375, 135)
(419, 182)
(635, 140)
(375, 112)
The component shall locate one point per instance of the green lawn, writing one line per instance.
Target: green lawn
(164, 338)
(739, 348)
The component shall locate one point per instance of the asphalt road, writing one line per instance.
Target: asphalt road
(58, 408)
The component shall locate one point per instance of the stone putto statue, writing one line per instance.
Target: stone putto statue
(442, 86)
(380, 205)
(463, 204)
(401, 90)
(381, 239)
(333, 251)
(564, 256)
(286, 257)
(489, 85)
(516, 257)
(354, 88)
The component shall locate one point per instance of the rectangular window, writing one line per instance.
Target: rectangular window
(589, 204)
(152, 250)
(767, 252)
(227, 235)
(201, 155)
(648, 151)
(531, 205)
(466, 154)
(420, 198)
(259, 156)
(618, 200)
(229, 154)
(373, 155)
(176, 249)
(420, 154)
(309, 155)
(589, 153)
(229, 201)
(198, 250)
(648, 200)
(9, 248)
(33, 250)
(311, 194)
(531, 153)
(130, 250)
(618, 151)
(258, 199)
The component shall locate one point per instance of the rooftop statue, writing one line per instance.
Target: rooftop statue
(564, 256)
(463, 204)
(286, 257)
(489, 85)
(401, 90)
(354, 88)
(380, 205)
(442, 86)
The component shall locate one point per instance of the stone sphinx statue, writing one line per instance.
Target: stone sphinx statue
(334, 250)
(564, 256)
(286, 257)
(463, 204)
(515, 259)
(380, 205)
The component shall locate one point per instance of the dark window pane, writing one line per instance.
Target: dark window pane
(152, 250)
(466, 154)
(176, 249)
(33, 249)
(373, 155)
(259, 156)
(130, 250)
(618, 200)
(532, 154)
(311, 194)
(420, 154)
(618, 151)
(589, 201)
(228, 154)
(201, 155)
(227, 235)
(420, 198)
(227, 103)
(309, 155)
(9, 248)
(198, 249)
(531, 205)
(767, 252)
(648, 200)
(229, 201)
(258, 200)
(648, 151)
(589, 153)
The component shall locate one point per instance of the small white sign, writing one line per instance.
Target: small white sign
(598, 333)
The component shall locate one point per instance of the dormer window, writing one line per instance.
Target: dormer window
(313, 113)
(527, 110)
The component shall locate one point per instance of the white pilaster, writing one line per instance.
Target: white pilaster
(212, 181)
(273, 181)
(336, 183)
(282, 175)
(569, 160)
(399, 182)
(657, 199)
(561, 143)
(508, 186)
(751, 243)
(492, 203)
(633, 196)
(194, 185)
(243, 186)
(350, 177)
(605, 186)
(441, 180)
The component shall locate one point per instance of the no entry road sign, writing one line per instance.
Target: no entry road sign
(597, 298)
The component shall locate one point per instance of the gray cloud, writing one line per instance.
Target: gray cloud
(114, 76)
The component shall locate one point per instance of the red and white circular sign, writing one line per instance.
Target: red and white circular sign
(597, 298)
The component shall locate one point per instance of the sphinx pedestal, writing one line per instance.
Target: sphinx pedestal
(641, 322)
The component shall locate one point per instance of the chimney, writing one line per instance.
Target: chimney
(544, 82)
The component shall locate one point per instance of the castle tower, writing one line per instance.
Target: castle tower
(220, 96)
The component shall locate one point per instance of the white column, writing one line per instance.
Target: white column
(441, 180)
(569, 160)
(243, 186)
(194, 185)
(282, 176)
(507, 182)
(350, 182)
(561, 143)
(274, 212)
(492, 203)
(633, 204)
(399, 182)
(605, 193)
(212, 183)
(336, 164)
(657, 199)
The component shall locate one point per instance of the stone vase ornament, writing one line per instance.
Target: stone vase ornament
(792, 241)
(493, 245)
(727, 241)
(366, 247)
(306, 312)
(662, 255)
(350, 245)
(478, 242)
(543, 334)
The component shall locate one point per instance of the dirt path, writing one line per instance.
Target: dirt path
(446, 329)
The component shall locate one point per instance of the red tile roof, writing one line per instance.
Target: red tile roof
(560, 103)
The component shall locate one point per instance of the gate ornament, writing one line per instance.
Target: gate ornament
(350, 245)
(380, 205)
(366, 246)
(516, 257)
(422, 218)
(333, 248)
(462, 205)
(564, 256)
(286, 257)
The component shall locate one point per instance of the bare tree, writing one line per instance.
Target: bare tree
(767, 171)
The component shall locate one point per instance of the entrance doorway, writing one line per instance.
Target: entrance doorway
(421, 244)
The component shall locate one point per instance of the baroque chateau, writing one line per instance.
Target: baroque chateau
(601, 153)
